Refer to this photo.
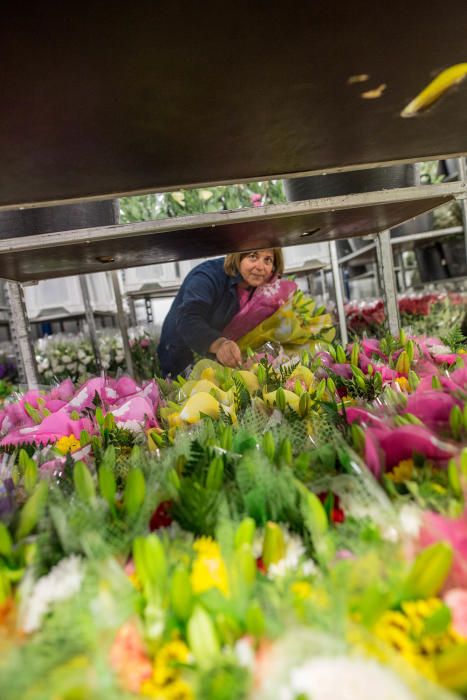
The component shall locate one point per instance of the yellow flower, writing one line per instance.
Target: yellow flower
(166, 682)
(209, 570)
(402, 471)
(403, 383)
(174, 651)
(67, 444)
(302, 589)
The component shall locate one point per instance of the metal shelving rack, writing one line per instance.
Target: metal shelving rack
(382, 247)
(158, 116)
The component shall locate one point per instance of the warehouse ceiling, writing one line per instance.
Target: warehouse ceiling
(100, 99)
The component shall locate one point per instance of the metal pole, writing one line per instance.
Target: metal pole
(21, 336)
(402, 269)
(122, 322)
(388, 280)
(324, 289)
(336, 273)
(463, 201)
(90, 320)
(131, 306)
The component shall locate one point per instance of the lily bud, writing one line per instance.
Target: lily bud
(135, 491)
(280, 399)
(84, 483)
(341, 357)
(31, 474)
(269, 446)
(456, 422)
(284, 452)
(107, 484)
(304, 405)
(181, 594)
(453, 477)
(245, 533)
(403, 363)
(202, 638)
(414, 380)
(429, 571)
(358, 437)
(255, 620)
(314, 515)
(354, 356)
(273, 544)
(6, 543)
(435, 382)
(32, 510)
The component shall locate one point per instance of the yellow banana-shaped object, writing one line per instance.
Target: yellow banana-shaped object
(443, 82)
(199, 403)
(301, 372)
(290, 398)
(249, 379)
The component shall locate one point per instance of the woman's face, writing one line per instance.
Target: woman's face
(257, 267)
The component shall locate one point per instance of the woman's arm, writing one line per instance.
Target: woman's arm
(200, 298)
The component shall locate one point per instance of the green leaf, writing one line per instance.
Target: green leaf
(84, 483)
(135, 491)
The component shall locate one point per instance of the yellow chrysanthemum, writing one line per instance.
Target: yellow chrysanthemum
(209, 570)
(406, 631)
(402, 471)
(166, 682)
(67, 443)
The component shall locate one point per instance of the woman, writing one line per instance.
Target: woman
(210, 296)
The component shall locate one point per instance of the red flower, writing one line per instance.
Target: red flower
(260, 565)
(336, 514)
(161, 516)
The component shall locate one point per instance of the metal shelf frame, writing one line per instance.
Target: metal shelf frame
(384, 246)
(301, 214)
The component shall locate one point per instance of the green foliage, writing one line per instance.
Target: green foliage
(455, 339)
(200, 201)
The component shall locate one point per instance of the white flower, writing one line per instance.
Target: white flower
(81, 354)
(294, 550)
(44, 364)
(66, 359)
(410, 518)
(245, 653)
(86, 360)
(58, 368)
(63, 581)
(345, 678)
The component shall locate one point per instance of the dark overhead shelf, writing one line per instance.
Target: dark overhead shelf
(42, 256)
(102, 99)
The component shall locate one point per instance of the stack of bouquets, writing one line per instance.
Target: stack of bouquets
(278, 566)
(432, 313)
(63, 357)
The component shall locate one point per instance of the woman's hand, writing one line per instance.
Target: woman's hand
(227, 352)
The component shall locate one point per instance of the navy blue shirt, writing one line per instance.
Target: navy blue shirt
(206, 302)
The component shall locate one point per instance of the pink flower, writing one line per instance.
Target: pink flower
(456, 600)
(432, 407)
(255, 199)
(129, 659)
(437, 528)
(401, 443)
(264, 302)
